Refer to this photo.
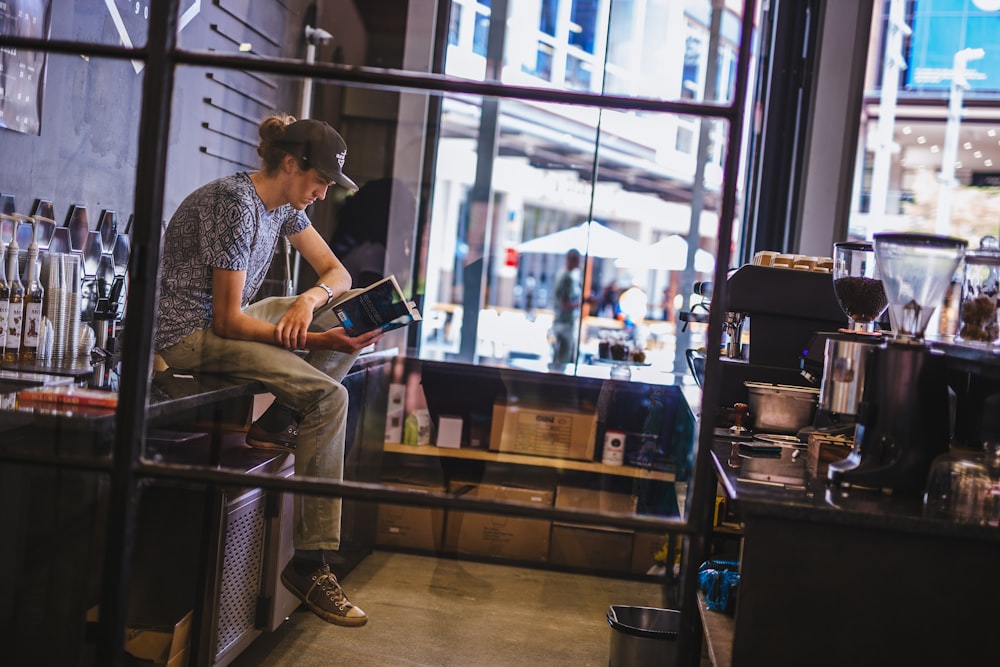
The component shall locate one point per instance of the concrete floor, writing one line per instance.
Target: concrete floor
(441, 612)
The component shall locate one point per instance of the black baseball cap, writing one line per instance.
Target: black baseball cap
(319, 146)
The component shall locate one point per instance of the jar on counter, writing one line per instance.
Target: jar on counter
(978, 323)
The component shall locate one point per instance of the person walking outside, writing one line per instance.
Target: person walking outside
(567, 299)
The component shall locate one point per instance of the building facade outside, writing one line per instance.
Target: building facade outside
(551, 167)
(929, 150)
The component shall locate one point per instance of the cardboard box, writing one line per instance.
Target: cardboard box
(449, 431)
(556, 433)
(591, 547)
(161, 646)
(166, 646)
(596, 548)
(824, 449)
(595, 500)
(497, 535)
(410, 527)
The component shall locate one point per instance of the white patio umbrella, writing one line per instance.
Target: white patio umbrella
(670, 254)
(590, 238)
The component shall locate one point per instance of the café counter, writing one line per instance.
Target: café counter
(852, 577)
(54, 480)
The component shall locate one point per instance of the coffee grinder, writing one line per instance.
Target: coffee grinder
(903, 415)
(859, 291)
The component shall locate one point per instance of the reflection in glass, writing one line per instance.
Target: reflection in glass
(911, 175)
(643, 49)
(551, 169)
(959, 488)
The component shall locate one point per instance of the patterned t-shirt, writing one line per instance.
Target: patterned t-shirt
(223, 224)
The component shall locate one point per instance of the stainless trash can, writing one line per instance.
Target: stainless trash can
(643, 636)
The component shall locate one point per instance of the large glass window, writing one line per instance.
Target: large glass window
(541, 231)
(928, 146)
(513, 174)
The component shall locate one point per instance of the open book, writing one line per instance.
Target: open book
(381, 305)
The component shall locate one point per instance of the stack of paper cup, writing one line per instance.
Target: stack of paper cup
(71, 277)
(55, 294)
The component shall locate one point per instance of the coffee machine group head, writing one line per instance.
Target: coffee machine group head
(903, 416)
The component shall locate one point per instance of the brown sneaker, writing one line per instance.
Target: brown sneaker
(283, 441)
(276, 430)
(321, 592)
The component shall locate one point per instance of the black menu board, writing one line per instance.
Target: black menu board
(22, 72)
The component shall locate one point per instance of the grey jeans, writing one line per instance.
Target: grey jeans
(311, 386)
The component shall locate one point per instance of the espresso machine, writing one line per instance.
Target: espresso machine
(784, 308)
(903, 417)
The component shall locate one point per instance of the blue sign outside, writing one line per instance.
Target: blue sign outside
(941, 28)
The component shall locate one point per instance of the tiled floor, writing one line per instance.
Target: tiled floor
(426, 611)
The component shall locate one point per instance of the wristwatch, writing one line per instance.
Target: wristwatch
(326, 288)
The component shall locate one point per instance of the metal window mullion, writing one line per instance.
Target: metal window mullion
(704, 483)
(154, 128)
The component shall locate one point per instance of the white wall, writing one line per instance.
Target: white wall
(835, 116)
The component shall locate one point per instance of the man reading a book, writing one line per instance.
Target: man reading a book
(216, 253)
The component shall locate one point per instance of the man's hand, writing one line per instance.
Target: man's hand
(339, 340)
(290, 332)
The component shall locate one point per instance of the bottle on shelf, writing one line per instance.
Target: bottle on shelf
(34, 295)
(15, 310)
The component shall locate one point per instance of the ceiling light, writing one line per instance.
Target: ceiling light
(958, 165)
(967, 145)
(977, 154)
(907, 129)
(988, 162)
(921, 140)
(991, 133)
(935, 149)
(246, 47)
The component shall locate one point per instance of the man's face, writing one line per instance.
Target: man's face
(305, 187)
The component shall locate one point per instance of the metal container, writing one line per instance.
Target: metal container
(844, 363)
(781, 408)
(643, 636)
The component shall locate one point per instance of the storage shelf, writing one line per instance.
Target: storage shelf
(718, 629)
(523, 459)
